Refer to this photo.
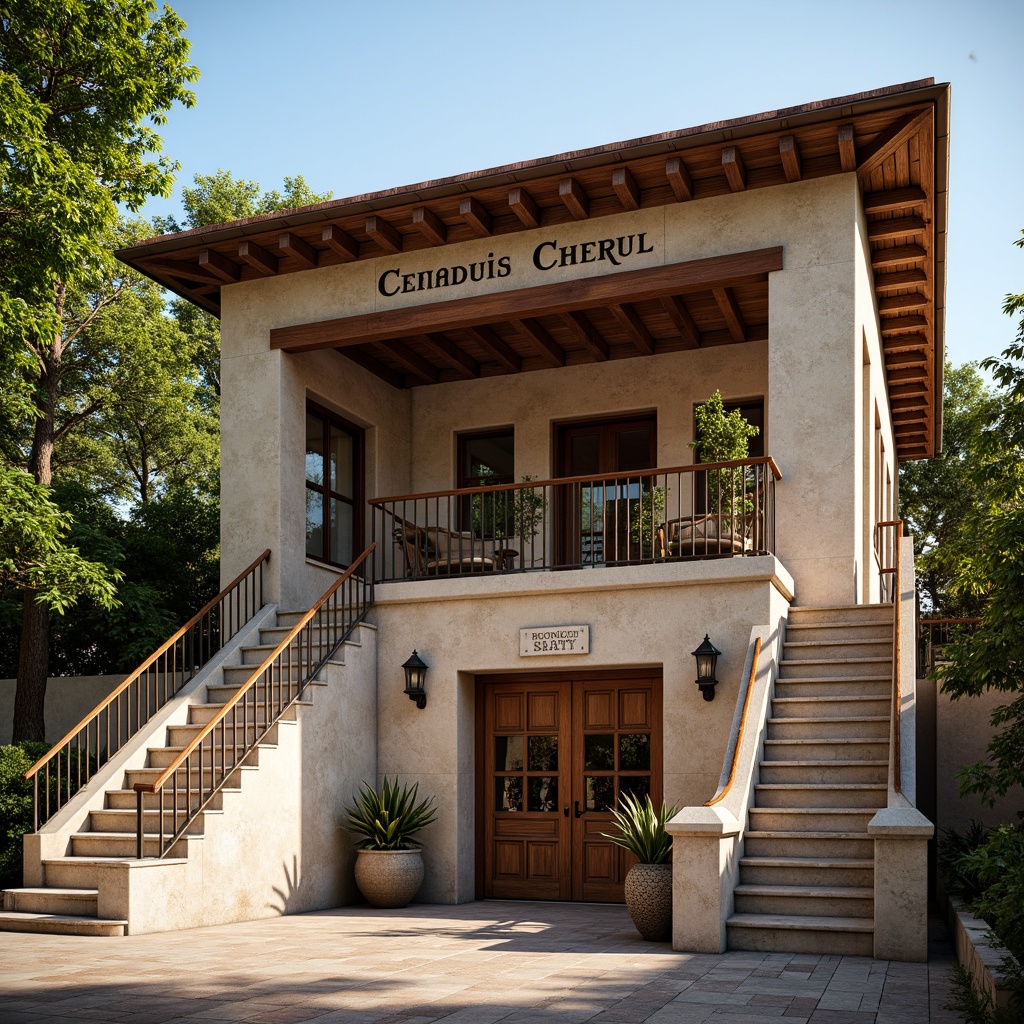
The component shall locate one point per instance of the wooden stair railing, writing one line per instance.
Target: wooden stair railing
(69, 765)
(895, 594)
(203, 767)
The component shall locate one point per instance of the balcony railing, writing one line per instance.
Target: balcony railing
(934, 634)
(716, 510)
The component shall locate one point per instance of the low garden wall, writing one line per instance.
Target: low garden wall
(971, 941)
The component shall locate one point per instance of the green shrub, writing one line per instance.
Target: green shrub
(15, 807)
(959, 878)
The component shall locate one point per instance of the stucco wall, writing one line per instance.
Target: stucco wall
(68, 700)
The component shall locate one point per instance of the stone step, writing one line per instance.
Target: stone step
(805, 630)
(790, 933)
(811, 819)
(863, 748)
(237, 676)
(120, 821)
(221, 693)
(124, 799)
(80, 872)
(163, 757)
(288, 619)
(843, 727)
(831, 706)
(181, 735)
(838, 668)
(73, 902)
(258, 653)
(805, 900)
(203, 714)
(105, 845)
(832, 649)
(150, 775)
(847, 613)
(825, 686)
(846, 871)
(831, 794)
(824, 772)
(820, 845)
(60, 924)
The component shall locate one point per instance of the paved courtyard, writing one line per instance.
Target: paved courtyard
(528, 963)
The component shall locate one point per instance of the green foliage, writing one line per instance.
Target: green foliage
(646, 515)
(998, 867)
(388, 818)
(721, 437)
(973, 1005)
(953, 847)
(642, 829)
(15, 807)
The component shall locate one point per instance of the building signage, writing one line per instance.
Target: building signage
(537, 640)
(546, 256)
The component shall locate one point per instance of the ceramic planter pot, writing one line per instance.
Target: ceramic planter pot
(649, 900)
(389, 878)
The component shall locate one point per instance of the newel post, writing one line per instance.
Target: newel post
(704, 862)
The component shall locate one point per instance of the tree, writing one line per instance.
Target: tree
(993, 657)
(80, 85)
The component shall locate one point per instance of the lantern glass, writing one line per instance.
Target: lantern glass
(707, 657)
(415, 674)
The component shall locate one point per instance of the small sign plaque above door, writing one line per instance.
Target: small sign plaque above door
(537, 640)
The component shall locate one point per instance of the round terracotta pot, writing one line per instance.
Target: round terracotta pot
(389, 878)
(649, 900)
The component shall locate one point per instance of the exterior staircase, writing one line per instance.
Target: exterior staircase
(69, 899)
(806, 873)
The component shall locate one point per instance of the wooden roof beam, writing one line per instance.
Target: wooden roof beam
(899, 279)
(685, 324)
(896, 324)
(429, 225)
(495, 347)
(539, 339)
(290, 243)
(363, 358)
(904, 343)
(679, 178)
(576, 200)
(847, 147)
(475, 214)
(261, 260)
(218, 265)
(789, 151)
(898, 254)
(625, 187)
(873, 154)
(588, 334)
(732, 167)
(340, 242)
(522, 205)
(731, 311)
(896, 359)
(461, 362)
(186, 271)
(386, 235)
(630, 321)
(412, 361)
(898, 303)
(895, 228)
(909, 373)
(886, 200)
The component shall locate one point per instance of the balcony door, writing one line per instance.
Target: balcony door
(555, 755)
(600, 519)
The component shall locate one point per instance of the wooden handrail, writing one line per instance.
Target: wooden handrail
(763, 460)
(897, 646)
(147, 664)
(168, 772)
(743, 724)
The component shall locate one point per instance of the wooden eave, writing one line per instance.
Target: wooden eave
(894, 138)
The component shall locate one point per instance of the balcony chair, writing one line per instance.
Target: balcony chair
(705, 535)
(435, 551)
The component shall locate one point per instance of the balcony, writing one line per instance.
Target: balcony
(684, 513)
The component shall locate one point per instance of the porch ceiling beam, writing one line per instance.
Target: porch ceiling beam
(904, 376)
(475, 214)
(789, 151)
(875, 152)
(898, 254)
(630, 321)
(385, 234)
(538, 338)
(895, 227)
(907, 390)
(362, 358)
(896, 359)
(544, 300)
(186, 271)
(918, 402)
(290, 243)
(685, 324)
(732, 167)
(904, 343)
(261, 260)
(429, 225)
(899, 279)
(340, 242)
(896, 303)
(731, 311)
(896, 324)
(847, 147)
(576, 200)
(588, 334)
(625, 187)
(522, 205)
(412, 361)
(496, 348)
(908, 415)
(889, 199)
(461, 362)
(218, 265)
(679, 178)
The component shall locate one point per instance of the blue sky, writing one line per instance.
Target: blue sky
(364, 96)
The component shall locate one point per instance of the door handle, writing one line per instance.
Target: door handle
(565, 810)
(579, 813)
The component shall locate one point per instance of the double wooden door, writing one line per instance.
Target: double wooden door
(555, 754)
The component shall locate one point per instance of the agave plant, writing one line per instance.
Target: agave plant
(389, 818)
(642, 829)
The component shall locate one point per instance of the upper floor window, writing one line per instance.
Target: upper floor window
(334, 487)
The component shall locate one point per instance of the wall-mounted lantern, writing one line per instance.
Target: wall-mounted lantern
(415, 680)
(707, 657)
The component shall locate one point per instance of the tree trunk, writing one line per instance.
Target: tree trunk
(33, 668)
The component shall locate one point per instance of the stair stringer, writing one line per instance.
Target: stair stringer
(277, 846)
(53, 840)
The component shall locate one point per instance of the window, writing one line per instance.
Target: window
(752, 410)
(485, 459)
(334, 479)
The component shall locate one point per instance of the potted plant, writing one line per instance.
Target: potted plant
(641, 830)
(389, 866)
